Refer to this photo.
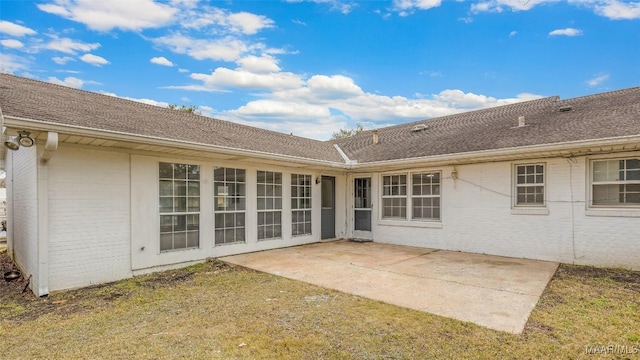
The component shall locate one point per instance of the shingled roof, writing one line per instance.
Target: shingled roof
(547, 121)
(35, 100)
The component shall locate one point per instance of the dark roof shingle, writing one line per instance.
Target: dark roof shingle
(36, 100)
(601, 116)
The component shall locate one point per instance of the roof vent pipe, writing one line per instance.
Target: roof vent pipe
(375, 137)
(521, 121)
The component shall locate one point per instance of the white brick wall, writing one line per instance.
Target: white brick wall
(89, 217)
(22, 200)
(477, 217)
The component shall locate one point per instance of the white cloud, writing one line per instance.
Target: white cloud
(222, 21)
(248, 23)
(94, 60)
(107, 15)
(332, 87)
(11, 63)
(62, 60)
(140, 100)
(612, 9)
(566, 32)
(12, 29)
(617, 10)
(226, 49)
(259, 64)
(11, 43)
(597, 80)
(224, 78)
(161, 61)
(513, 34)
(407, 7)
(68, 81)
(183, 70)
(335, 5)
(70, 46)
(500, 5)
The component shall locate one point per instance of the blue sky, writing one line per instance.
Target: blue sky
(313, 67)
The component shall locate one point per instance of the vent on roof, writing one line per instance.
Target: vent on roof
(419, 128)
(521, 121)
(565, 108)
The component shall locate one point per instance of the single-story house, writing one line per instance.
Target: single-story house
(100, 188)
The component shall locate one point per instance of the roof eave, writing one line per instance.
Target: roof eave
(39, 125)
(568, 149)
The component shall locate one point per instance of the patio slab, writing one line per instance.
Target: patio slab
(492, 291)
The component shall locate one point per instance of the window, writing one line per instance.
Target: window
(269, 205)
(529, 185)
(394, 197)
(230, 203)
(615, 182)
(425, 196)
(179, 206)
(300, 204)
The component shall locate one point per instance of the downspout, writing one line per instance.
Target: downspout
(50, 147)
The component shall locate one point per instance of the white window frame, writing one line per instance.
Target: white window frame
(592, 182)
(222, 199)
(301, 204)
(274, 210)
(431, 196)
(516, 186)
(191, 211)
(408, 197)
(392, 196)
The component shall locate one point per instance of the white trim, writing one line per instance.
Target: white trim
(344, 156)
(36, 125)
(524, 209)
(607, 210)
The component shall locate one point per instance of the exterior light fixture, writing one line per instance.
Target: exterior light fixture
(318, 179)
(24, 139)
(12, 144)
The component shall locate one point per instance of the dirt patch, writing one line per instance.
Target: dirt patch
(19, 306)
(625, 279)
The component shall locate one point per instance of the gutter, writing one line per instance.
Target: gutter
(349, 164)
(507, 153)
(44, 126)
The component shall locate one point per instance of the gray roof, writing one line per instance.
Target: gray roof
(602, 116)
(36, 100)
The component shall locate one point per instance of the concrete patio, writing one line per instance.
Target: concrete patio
(492, 291)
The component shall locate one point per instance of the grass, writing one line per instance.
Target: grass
(214, 310)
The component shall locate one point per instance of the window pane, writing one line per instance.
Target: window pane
(194, 172)
(166, 241)
(194, 188)
(605, 170)
(179, 171)
(193, 239)
(166, 188)
(179, 188)
(180, 240)
(606, 194)
(180, 204)
(166, 204)
(194, 204)
(165, 171)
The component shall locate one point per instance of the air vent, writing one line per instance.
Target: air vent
(565, 108)
(419, 127)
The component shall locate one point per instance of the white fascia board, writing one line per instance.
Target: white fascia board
(37, 125)
(504, 154)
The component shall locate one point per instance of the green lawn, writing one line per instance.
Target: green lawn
(213, 310)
